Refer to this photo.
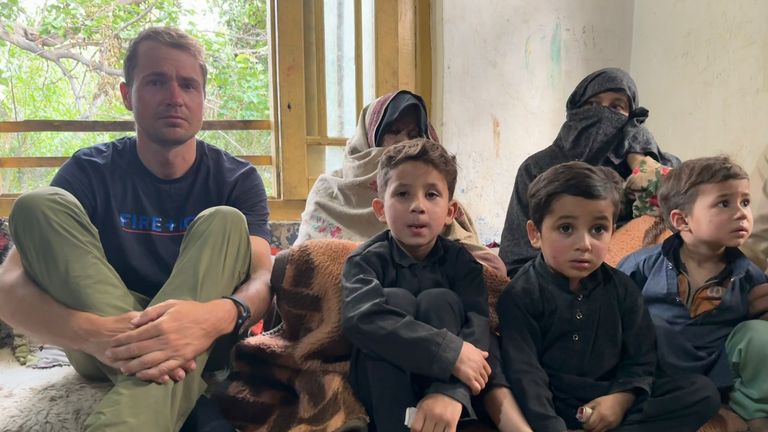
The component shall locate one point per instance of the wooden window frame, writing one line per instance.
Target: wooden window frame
(402, 60)
(296, 68)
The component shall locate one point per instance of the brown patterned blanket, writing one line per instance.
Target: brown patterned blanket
(294, 377)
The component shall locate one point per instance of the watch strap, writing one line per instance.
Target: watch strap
(243, 313)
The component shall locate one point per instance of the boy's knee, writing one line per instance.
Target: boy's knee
(401, 299)
(753, 328)
(750, 335)
(440, 308)
(438, 297)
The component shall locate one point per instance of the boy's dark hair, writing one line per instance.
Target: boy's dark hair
(168, 36)
(577, 179)
(419, 150)
(680, 187)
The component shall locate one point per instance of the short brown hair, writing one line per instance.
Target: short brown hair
(680, 188)
(576, 179)
(419, 150)
(169, 36)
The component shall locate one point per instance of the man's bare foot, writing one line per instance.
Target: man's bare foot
(98, 333)
(733, 422)
(758, 425)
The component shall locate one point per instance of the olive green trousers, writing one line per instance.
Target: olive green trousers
(61, 252)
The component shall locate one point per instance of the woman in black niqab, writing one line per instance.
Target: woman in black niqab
(596, 132)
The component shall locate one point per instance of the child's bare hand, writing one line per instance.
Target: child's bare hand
(472, 367)
(436, 412)
(608, 411)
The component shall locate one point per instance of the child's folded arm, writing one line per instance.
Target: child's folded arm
(476, 330)
(520, 346)
(638, 359)
(374, 326)
(455, 389)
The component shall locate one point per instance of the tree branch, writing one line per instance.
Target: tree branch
(17, 37)
(72, 84)
(138, 17)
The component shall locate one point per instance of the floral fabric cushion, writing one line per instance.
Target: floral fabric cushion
(642, 186)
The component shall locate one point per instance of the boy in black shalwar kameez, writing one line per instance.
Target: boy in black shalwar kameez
(575, 332)
(415, 305)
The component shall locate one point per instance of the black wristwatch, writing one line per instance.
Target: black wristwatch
(243, 313)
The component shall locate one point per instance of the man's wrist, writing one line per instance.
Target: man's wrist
(227, 312)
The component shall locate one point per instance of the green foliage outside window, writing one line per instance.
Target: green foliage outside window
(62, 60)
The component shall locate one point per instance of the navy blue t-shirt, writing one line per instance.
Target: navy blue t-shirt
(142, 218)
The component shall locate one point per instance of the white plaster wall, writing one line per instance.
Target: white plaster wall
(502, 71)
(702, 67)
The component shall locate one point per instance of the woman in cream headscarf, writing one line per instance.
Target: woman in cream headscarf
(339, 204)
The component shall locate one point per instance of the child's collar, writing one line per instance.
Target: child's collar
(404, 259)
(587, 284)
(671, 247)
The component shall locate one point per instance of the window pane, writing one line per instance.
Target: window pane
(97, 33)
(18, 180)
(369, 83)
(334, 157)
(339, 23)
(258, 142)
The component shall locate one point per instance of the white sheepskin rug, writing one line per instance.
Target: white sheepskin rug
(43, 400)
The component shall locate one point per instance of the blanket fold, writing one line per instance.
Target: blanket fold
(293, 378)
